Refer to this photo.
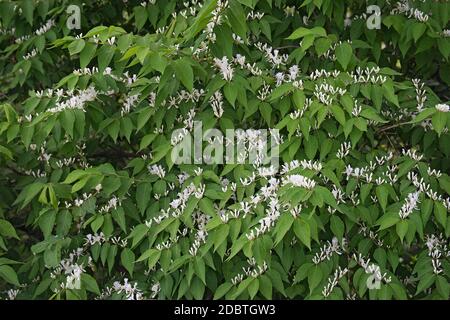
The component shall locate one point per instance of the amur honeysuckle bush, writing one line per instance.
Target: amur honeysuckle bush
(93, 205)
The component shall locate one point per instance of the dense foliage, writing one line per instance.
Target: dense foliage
(92, 205)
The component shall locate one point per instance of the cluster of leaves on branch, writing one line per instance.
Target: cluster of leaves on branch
(93, 207)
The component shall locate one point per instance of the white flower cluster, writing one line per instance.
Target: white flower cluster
(326, 93)
(410, 204)
(421, 94)
(344, 150)
(92, 239)
(422, 186)
(75, 101)
(372, 269)
(268, 221)
(157, 170)
(253, 271)
(290, 77)
(9, 32)
(43, 155)
(413, 154)
(85, 71)
(357, 108)
(252, 15)
(36, 173)
(119, 242)
(216, 20)
(112, 204)
(66, 162)
(333, 281)
(298, 180)
(272, 55)
(264, 92)
(316, 74)
(73, 280)
(299, 113)
(304, 164)
(442, 107)
(328, 250)
(129, 103)
(239, 60)
(224, 67)
(78, 202)
(132, 292)
(330, 54)
(256, 271)
(30, 55)
(403, 7)
(40, 31)
(12, 294)
(216, 101)
(72, 270)
(366, 232)
(200, 238)
(156, 288)
(368, 75)
(289, 11)
(46, 27)
(437, 248)
(358, 173)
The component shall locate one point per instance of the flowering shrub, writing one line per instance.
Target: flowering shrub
(93, 205)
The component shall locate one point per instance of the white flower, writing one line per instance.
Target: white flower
(443, 107)
(217, 104)
(225, 68)
(299, 181)
(410, 205)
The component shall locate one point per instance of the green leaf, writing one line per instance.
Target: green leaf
(426, 280)
(5, 151)
(283, 226)
(253, 288)
(222, 290)
(443, 287)
(104, 57)
(425, 114)
(439, 120)
(401, 228)
(143, 195)
(90, 283)
(344, 53)
(184, 73)
(9, 275)
(221, 235)
(389, 93)
(76, 46)
(127, 260)
(265, 286)
(388, 220)
(338, 113)
(440, 212)
(27, 9)
(303, 232)
(315, 276)
(302, 32)
(140, 16)
(382, 195)
(87, 54)
(337, 226)
(7, 229)
(199, 269)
